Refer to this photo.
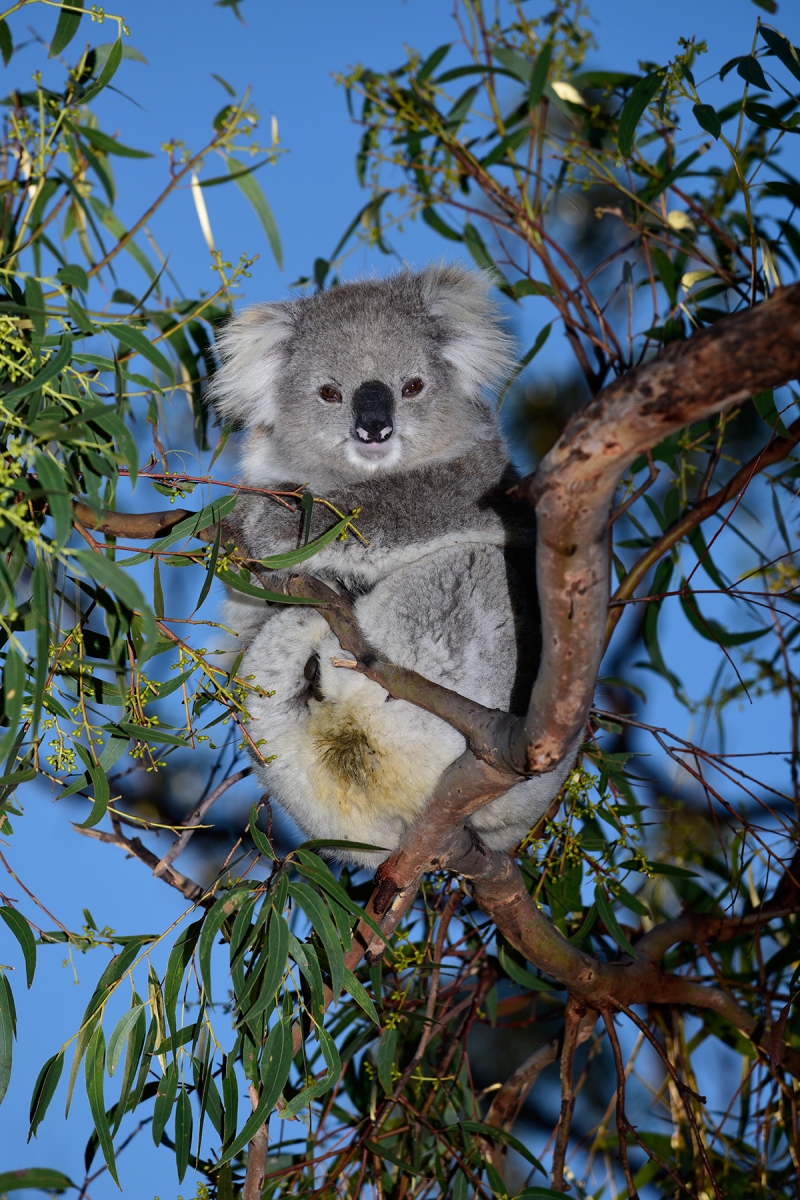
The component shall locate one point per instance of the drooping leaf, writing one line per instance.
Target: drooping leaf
(276, 1063)
(782, 48)
(42, 1178)
(22, 932)
(135, 340)
(221, 912)
(66, 27)
(249, 185)
(183, 1132)
(751, 71)
(8, 1029)
(122, 1032)
(44, 1090)
(634, 108)
(387, 1047)
(707, 118)
(317, 912)
(109, 70)
(94, 1069)
(606, 913)
(165, 1099)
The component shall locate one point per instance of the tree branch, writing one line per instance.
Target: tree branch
(134, 847)
(194, 819)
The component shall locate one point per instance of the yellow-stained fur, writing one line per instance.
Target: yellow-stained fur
(357, 764)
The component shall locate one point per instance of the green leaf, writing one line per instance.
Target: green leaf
(432, 61)
(211, 569)
(183, 1132)
(35, 306)
(13, 696)
(115, 226)
(135, 340)
(6, 42)
(658, 868)
(360, 995)
(539, 74)
(527, 358)
(35, 1177)
(385, 1153)
(709, 629)
(262, 991)
(260, 840)
(782, 48)
(179, 959)
(113, 59)
(211, 514)
(109, 145)
(750, 69)
(249, 185)
(44, 1090)
(634, 108)
(706, 117)
(74, 276)
(102, 793)
(765, 407)
(54, 485)
(132, 1086)
(320, 1086)
(8, 1028)
(165, 1098)
(276, 1062)
(22, 932)
(525, 978)
(232, 580)
(322, 923)
(222, 910)
(611, 923)
(432, 218)
(94, 1069)
(313, 866)
(475, 244)
(122, 1032)
(505, 1138)
(66, 26)
(385, 1059)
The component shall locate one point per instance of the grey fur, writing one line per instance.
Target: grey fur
(445, 585)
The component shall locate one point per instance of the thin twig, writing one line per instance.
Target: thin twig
(623, 1125)
(194, 819)
(572, 1018)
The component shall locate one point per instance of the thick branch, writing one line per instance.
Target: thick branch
(505, 899)
(132, 525)
(574, 486)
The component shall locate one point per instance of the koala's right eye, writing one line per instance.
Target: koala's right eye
(330, 394)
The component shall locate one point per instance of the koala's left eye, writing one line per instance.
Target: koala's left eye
(413, 387)
(330, 394)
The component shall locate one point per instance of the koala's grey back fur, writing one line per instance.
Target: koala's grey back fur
(445, 585)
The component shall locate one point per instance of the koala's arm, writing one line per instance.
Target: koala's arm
(454, 617)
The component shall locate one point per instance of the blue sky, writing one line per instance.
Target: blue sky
(287, 52)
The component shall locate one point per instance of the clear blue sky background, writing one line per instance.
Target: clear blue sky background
(287, 51)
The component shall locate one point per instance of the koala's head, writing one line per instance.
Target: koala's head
(379, 375)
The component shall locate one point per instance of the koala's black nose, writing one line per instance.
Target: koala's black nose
(373, 408)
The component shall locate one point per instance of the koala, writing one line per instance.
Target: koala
(371, 395)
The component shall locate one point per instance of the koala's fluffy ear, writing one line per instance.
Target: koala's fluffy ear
(252, 349)
(472, 338)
